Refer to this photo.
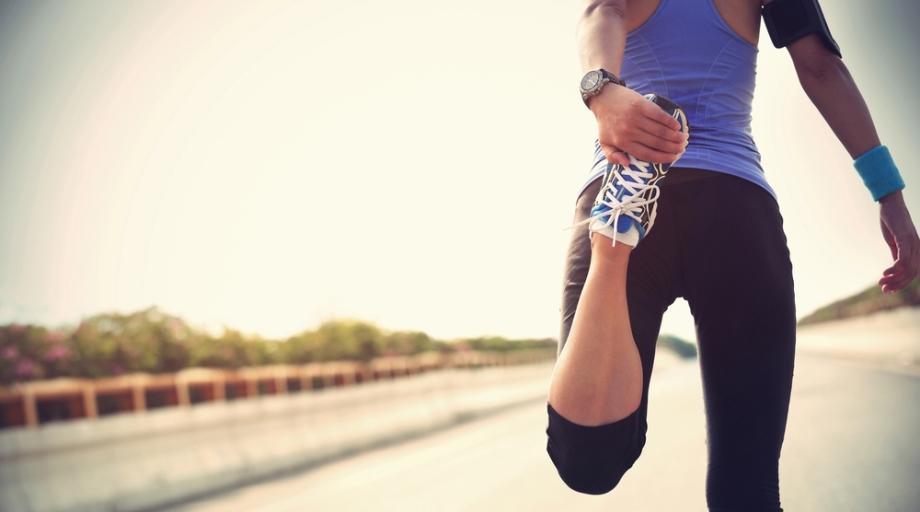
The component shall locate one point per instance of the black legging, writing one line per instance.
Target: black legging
(718, 242)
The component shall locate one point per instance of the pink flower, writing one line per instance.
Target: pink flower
(54, 337)
(9, 352)
(57, 352)
(25, 369)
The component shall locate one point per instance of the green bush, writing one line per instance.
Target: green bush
(683, 348)
(871, 300)
(155, 342)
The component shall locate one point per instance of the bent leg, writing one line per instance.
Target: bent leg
(598, 393)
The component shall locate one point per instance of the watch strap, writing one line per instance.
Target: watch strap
(612, 78)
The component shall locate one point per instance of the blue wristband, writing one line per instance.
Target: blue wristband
(878, 172)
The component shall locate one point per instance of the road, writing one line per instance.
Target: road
(850, 446)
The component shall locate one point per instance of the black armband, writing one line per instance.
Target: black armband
(788, 21)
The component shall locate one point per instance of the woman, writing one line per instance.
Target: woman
(717, 239)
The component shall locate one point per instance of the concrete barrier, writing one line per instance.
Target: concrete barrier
(143, 461)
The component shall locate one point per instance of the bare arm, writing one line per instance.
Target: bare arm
(828, 84)
(626, 122)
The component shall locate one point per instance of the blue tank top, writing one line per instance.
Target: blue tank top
(687, 53)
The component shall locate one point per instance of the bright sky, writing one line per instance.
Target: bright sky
(270, 165)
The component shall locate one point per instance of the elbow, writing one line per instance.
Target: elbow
(822, 72)
(815, 64)
(606, 9)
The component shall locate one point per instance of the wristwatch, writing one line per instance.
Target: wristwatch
(594, 81)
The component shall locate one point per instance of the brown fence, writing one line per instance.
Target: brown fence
(31, 404)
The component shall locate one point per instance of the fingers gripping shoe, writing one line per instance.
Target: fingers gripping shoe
(626, 206)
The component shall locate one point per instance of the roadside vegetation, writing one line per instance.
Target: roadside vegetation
(152, 341)
(683, 348)
(869, 301)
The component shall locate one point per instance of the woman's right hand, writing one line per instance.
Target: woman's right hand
(629, 123)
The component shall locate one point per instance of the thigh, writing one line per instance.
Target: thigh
(738, 282)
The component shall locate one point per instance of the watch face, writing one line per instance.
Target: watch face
(590, 81)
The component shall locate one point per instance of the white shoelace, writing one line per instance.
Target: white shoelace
(632, 203)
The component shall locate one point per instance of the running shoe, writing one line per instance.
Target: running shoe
(626, 205)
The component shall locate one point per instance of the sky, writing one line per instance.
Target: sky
(272, 165)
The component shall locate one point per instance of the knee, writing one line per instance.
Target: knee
(592, 460)
(588, 475)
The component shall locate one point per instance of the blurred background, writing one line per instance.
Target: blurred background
(368, 178)
(271, 165)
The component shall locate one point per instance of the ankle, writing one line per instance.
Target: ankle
(603, 248)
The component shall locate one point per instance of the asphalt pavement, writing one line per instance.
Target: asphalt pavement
(850, 446)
